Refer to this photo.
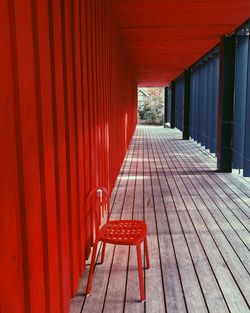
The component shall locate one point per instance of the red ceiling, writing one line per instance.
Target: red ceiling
(163, 37)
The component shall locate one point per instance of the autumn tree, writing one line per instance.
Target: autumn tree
(152, 112)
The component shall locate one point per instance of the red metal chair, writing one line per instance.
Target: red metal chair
(119, 232)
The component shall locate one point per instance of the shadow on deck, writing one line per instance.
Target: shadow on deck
(198, 224)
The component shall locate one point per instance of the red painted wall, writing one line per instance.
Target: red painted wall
(68, 110)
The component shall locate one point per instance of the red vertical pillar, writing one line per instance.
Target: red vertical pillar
(13, 251)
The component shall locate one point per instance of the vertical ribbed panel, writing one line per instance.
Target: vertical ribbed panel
(169, 104)
(246, 164)
(240, 93)
(179, 102)
(68, 106)
(214, 104)
(204, 82)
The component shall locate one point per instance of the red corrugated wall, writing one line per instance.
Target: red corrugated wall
(68, 111)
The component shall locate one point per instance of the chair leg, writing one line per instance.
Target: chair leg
(146, 252)
(91, 271)
(139, 260)
(103, 252)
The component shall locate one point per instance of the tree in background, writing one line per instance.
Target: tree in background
(152, 110)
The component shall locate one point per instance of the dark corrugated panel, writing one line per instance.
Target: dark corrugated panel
(240, 93)
(246, 165)
(204, 100)
(179, 102)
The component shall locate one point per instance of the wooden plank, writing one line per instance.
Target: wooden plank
(118, 278)
(227, 282)
(223, 214)
(101, 297)
(194, 296)
(230, 199)
(173, 289)
(78, 302)
(231, 185)
(213, 295)
(154, 275)
(132, 305)
(228, 253)
(198, 242)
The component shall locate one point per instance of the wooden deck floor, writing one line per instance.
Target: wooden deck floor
(198, 223)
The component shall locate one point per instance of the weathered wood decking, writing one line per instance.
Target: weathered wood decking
(198, 224)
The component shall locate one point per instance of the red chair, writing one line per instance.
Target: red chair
(118, 232)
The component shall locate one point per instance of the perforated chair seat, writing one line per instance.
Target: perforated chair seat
(118, 232)
(123, 232)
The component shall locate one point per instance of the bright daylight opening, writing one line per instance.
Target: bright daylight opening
(151, 105)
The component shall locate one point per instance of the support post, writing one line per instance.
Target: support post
(165, 106)
(246, 166)
(225, 105)
(172, 123)
(186, 106)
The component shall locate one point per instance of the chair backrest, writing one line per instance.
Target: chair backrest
(98, 203)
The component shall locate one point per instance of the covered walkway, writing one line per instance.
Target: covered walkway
(198, 223)
(69, 73)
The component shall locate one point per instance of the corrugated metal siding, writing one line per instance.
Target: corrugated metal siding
(68, 111)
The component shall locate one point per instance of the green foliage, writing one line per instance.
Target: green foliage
(152, 111)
